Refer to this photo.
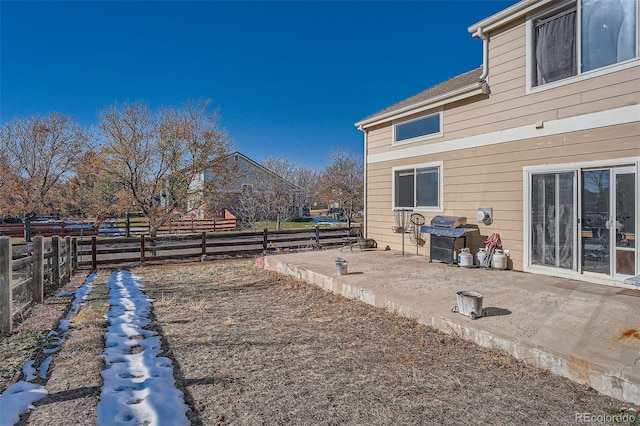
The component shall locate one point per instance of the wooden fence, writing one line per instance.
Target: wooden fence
(49, 229)
(29, 271)
(120, 227)
(140, 226)
(103, 251)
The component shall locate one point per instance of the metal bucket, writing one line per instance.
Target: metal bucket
(469, 304)
(341, 266)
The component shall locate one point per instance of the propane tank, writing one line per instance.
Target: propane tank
(499, 260)
(465, 258)
(482, 253)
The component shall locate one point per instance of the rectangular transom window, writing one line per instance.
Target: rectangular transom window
(420, 128)
(582, 36)
(418, 187)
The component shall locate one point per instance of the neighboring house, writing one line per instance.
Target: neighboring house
(249, 189)
(546, 134)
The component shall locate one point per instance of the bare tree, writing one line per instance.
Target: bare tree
(281, 197)
(41, 152)
(283, 167)
(7, 175)
(342, 182)
(306, 179)
(250, 207)
(152, 157)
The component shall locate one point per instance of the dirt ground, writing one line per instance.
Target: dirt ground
(253, 347)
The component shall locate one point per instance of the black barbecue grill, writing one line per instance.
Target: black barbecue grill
(448, 236)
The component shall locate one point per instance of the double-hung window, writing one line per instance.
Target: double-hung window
(418, 187)
(582, 36)
(426, 127)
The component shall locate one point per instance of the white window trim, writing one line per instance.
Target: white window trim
(435, 209)
(620, 66)
(417, 138)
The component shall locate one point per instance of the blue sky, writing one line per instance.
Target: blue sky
(289, 78)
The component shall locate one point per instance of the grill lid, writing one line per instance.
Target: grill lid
(448, 222)
(444, 232)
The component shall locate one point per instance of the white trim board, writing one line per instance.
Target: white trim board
(612, 117)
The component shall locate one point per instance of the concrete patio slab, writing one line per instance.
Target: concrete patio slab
(586, 332)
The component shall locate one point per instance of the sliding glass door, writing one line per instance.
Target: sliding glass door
(584, 220)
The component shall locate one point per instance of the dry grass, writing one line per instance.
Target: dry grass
(253, 347)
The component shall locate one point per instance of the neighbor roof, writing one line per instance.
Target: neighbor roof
(451, 85)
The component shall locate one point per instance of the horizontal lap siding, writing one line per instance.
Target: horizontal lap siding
(379, 140)
(491, 175)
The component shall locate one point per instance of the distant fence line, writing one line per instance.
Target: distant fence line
(29, 271)
(120, 227)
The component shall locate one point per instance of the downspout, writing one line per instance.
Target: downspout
(485, 53)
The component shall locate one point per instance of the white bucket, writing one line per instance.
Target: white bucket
(469, 304)
(341, 267)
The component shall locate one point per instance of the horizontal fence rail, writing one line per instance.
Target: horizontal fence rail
(119, 227)
(30, 271)
(103, 251)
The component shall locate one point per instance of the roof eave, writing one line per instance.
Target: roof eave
(478, 88)
(505, 16)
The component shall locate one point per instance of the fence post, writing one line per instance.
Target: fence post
(204, 243)
(127, 226)
(317, 234)
(94, 253)
(55, 262)
(38, 269)
(74, 254)
(142, 249)
(265, 239)
(6, 292)
(67, 262)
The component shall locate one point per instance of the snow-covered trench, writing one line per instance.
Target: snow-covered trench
(138, 386)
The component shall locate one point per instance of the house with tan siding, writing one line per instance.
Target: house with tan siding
(546, 134)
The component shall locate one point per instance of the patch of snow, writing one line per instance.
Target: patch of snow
(18, 398)
(28, 371)
(139, 387)
(44, 367)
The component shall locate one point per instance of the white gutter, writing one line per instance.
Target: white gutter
(507, 15)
